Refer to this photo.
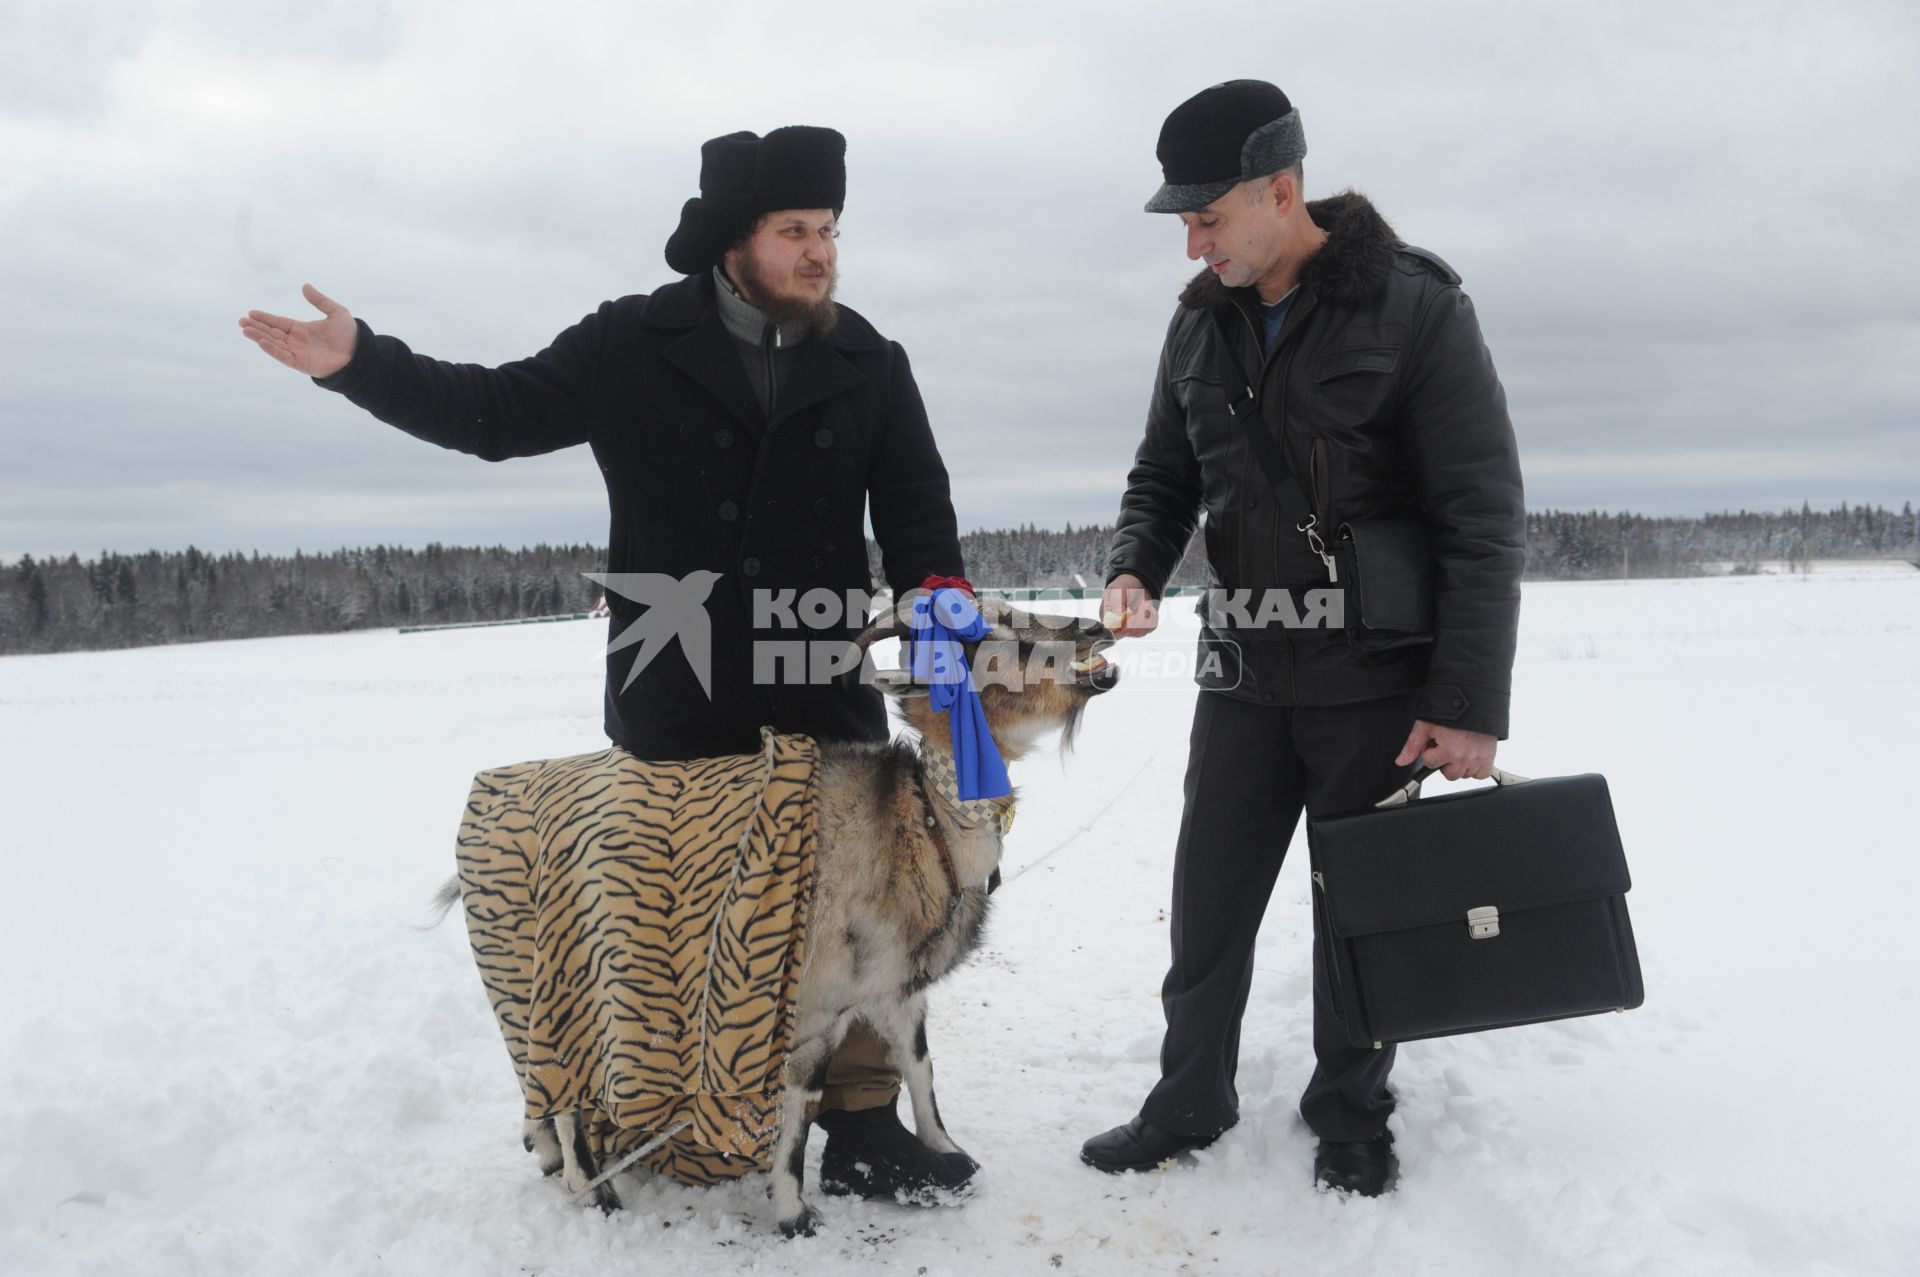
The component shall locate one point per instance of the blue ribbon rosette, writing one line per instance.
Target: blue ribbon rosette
(941, 622)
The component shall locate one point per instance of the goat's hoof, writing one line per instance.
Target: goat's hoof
(538, 1138)
(801, 1225)
(607, 1200)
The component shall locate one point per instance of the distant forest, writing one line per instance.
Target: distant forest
(132, 600)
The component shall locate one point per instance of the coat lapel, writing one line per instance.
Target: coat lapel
(819, 373)
(710, 356)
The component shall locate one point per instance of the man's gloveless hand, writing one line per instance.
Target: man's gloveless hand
(316, 347)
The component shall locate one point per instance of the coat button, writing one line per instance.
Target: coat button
(820, 507)
(823, 438)
(816, 563)
(729, 512)
(750, 567)
(1459, 702)
(723, 438)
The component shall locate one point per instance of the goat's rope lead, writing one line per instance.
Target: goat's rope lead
(1087, 828)
(631, 1158)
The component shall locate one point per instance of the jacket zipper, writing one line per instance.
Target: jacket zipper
(769, 340)
(1293, 692)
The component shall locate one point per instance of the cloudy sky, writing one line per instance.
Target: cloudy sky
(1692, 232)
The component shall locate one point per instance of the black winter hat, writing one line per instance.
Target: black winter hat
(1223, 136)
(743, 175)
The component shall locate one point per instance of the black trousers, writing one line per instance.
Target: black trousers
(1251, 770)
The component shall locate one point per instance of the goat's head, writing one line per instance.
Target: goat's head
(1034, 673)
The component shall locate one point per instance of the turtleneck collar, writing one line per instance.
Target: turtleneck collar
(748, 322)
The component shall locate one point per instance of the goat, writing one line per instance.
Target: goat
(901, 878)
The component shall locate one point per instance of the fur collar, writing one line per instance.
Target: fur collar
(1350, 269)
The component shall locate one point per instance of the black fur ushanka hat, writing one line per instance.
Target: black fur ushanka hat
(743, 175)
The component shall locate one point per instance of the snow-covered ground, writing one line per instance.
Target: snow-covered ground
(227, 1047)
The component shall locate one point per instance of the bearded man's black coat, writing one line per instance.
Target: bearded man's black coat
(699, 479)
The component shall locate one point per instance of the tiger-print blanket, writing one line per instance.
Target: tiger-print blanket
(640, 928)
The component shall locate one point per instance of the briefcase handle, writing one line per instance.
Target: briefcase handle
(1411, 790)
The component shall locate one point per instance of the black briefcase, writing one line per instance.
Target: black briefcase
(1474, 910)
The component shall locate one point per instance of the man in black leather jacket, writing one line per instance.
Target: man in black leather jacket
(1319, 375)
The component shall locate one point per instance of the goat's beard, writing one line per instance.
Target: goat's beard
(1070, 727)
(812, 318)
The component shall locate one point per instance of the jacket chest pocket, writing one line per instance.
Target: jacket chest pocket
(1211, 431)
(1355, 385)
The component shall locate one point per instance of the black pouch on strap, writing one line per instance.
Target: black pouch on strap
(1387, 565)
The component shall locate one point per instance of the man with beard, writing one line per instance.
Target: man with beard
(743, 422)
(1319, 373)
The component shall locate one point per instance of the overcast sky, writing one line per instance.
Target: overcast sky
(1690, 231)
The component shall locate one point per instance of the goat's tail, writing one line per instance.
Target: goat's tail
(442, 903)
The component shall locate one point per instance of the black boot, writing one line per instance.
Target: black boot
(1137, 1147)
(870, 1154)
(1366, 1167)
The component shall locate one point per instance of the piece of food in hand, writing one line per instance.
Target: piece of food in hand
(1114, 620)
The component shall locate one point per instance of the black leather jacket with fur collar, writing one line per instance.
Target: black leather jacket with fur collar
(1385, 402)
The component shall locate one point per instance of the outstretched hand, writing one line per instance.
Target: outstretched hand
(317, 347)
(1127, 599)
(1454, 753)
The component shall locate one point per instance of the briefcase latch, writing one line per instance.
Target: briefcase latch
(1483, 923)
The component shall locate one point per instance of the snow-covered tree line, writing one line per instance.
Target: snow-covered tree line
(132, 600)
(1561, 545)
(1570, 545)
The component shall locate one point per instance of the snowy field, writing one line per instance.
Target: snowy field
(228, 1047)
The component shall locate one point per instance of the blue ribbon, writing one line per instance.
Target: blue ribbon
(941, 621)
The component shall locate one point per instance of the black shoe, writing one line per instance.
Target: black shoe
(1366, 1167)
(870, 1154)
(1138, 1146)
